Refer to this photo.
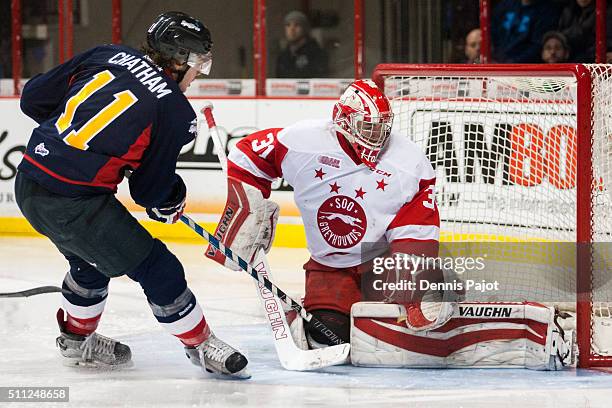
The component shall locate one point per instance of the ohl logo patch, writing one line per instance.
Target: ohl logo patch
(342, 222)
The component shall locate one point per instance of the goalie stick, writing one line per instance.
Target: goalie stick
(289, 354)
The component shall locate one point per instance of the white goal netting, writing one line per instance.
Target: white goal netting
(505, 147)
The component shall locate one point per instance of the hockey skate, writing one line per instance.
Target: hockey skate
(93, 351)
(218, 357)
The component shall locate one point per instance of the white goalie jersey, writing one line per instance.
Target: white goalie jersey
(343, 202)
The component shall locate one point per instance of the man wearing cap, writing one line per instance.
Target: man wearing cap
(554, 48)
(303, 57)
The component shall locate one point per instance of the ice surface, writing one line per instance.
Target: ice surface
(163, 377)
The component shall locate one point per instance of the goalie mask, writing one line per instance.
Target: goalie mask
(183, 38)
(363, 116)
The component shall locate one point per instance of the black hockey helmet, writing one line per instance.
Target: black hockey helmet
(183, 38)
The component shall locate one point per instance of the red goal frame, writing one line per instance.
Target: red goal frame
(584, 229)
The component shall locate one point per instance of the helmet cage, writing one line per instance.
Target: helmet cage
(367, 134)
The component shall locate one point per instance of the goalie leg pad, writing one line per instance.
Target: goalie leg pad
(478, 335)
(337, 322)
(247, 224)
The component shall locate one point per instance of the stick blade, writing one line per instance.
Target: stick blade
(32, 292)
(307, 360)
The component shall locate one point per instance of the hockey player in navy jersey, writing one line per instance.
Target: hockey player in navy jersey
(110, 110)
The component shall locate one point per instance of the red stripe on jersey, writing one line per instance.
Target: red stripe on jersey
(237, 172)
(111, 172)
(441, 347)
(415, 212)
(64, 179)
(279, 156)
(424, 183)
(262, 151)
(197, 335)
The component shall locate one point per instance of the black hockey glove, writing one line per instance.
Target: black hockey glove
(170, 211)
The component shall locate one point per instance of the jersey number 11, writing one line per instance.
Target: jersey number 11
(79, 138)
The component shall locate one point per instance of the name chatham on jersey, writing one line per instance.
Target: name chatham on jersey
(148, 75)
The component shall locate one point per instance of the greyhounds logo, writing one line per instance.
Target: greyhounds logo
(342, 222)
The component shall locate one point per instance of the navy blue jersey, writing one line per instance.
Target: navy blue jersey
(107, 110)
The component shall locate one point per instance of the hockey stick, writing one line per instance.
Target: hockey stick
(249, 269)
(41, 290)
(290, 355)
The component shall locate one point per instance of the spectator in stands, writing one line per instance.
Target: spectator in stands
(554, 48)
(472, 46)
(303, 57)
(577, 23)
(517, 28)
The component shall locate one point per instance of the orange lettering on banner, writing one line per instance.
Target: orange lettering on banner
(527, 146)
(554, 156)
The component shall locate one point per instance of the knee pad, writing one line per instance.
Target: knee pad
(160, 275)
(337, 322)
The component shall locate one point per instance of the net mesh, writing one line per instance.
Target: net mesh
(504, 148)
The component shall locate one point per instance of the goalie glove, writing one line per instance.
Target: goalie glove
(171, 211)
(431, 302)
(247, 224)
(432, 308)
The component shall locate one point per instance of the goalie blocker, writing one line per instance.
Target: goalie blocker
(478, 335)
(247, 224)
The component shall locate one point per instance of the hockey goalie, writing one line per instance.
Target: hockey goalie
(360, 187)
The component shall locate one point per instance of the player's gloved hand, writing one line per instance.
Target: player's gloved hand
(171, 211)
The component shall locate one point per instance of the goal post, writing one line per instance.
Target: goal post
(522, 153)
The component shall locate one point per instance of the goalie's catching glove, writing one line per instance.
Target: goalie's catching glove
(171, 211)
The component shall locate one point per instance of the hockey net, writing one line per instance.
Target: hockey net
(523, 160)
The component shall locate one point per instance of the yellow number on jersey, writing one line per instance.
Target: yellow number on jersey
(79, 138)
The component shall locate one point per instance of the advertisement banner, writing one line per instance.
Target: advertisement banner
(197, 163)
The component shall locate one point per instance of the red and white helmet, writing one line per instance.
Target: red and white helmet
(363, 116)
